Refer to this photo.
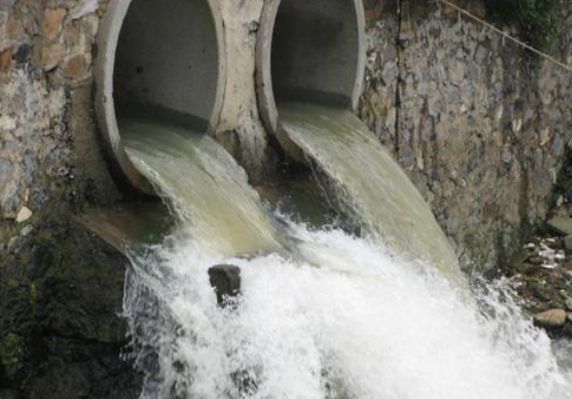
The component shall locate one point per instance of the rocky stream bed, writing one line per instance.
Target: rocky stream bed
(541, 270)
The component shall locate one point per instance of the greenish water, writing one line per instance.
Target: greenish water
(206, 187)
(369, 182)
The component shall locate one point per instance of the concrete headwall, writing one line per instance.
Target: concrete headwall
(480, 127)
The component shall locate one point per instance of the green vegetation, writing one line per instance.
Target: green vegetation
(538, 20)
(11, 350)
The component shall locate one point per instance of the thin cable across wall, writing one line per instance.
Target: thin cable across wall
(518, 42)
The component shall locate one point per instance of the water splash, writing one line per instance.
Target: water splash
(397, 330)
(323, 314)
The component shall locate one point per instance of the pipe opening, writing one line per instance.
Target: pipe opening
(310, 51)
(314, 51)
(161, 60)
(167, 60)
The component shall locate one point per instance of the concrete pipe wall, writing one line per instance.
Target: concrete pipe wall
(178, 59)
(310, 51)
(160, 57)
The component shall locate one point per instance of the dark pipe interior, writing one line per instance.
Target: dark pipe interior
(167, 61)
(315, 50)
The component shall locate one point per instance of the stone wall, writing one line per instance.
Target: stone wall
(60, 286)
(479, 125)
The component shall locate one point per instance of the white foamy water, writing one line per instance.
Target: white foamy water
(322, 314)
(390, 330)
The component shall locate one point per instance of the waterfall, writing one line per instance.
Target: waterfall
(322, 313)
(369, 182)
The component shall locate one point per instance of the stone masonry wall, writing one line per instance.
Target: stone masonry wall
(479, 126)
(60, 286)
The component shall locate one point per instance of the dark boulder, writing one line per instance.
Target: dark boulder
(225, 279)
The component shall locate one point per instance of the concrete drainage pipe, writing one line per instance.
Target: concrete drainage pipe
(312, 51)
(164, 56)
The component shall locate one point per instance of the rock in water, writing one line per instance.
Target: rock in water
(561, 224)
(225, 279)
(551, 318)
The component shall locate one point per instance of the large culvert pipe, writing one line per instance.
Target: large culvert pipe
(310, 50)
(163, 58)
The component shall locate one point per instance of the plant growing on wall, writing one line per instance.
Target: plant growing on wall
(537, 20)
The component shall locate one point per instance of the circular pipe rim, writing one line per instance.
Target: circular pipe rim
(265, 91)
(107, 42)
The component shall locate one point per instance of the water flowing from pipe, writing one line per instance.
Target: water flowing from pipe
(323, 314)
(207, 189)
(369, 182)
